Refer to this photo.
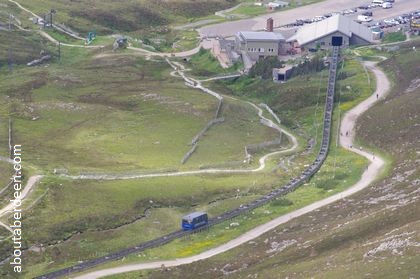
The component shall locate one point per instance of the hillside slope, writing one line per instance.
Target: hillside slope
(125, 16)
(374, 234)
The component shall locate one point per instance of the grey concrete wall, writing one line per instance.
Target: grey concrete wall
(256, 49)
(325, 42)
(354, 40)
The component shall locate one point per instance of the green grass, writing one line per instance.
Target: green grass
(6, 172)
(4, 135)
(67, 118)
(126, 200)
(122, 123)
(347, 171)
(394, 37)
(136, 15)
(337, 250)
(400, 108)
(74, 129)
(171, 41)
(247, 10)
(340, 170)
(230, 137)
(22, 47)
(204, 64)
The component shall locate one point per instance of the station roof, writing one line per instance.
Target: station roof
(314, 31)
(260, 36)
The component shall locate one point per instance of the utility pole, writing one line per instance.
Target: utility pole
(59, 51)
(10, 60)
(10, 21)
(10, 138)
(51, 16)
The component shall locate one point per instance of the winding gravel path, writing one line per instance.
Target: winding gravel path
(369, 175)
(180, 70)
(47, 36)
(37, 16)
(32, 181)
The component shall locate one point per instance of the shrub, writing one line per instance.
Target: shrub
(264, 67)
(281, 202)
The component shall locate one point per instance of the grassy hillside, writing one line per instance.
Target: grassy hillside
(6, 171)
(19, 47)
(99, 111)
(373, 234)
(111, 16)
(89, 113)
(341, 170)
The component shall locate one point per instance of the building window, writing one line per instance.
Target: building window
(322, 43)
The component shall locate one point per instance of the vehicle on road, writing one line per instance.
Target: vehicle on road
(348, 12)
(318, 18)
(391, 22)
(364, 18)
(386, 5)
(194, 220)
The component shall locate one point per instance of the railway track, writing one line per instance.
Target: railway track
(289, 187)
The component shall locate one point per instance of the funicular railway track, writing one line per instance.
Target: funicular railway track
(289, 187)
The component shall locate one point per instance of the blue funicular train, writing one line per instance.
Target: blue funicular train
(194, 220)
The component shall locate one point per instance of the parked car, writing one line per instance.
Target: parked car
(363, 7)
(364, 18)
(386, 5)
(368, 13)
(299, 22)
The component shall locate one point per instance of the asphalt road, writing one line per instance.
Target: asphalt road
(228, 29)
